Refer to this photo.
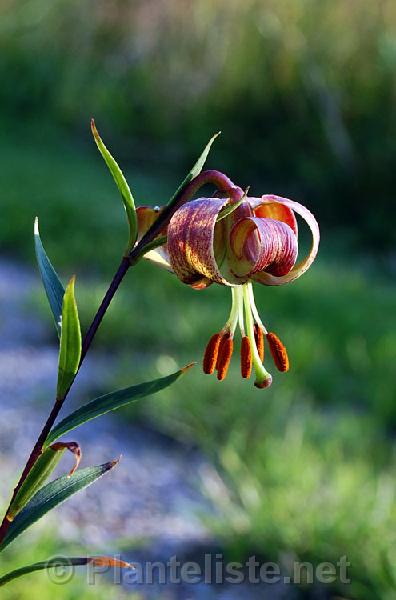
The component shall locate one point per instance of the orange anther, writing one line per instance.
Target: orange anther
(246, 358)
(278, 351)
(259, 339)
(223, 337)
(225, 353)
(211, 354)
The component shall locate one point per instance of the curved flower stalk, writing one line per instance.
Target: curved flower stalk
(234, 240)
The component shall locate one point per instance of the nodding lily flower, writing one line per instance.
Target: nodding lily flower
(236, 240)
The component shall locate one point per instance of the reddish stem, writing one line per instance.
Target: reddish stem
(88, 338)
(224, 184)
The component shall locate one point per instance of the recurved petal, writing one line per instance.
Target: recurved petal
(146, 215)
(262, 244)
(196, 244)
(159, 256)
(277, 211)
(303, 265)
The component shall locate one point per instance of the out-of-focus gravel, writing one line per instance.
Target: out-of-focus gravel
(152, 495)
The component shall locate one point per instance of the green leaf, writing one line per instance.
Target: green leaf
(196, 169)
(50, 496)
(37, 476)
(70, 342)
(109, 402)
(64, 561)
(166, 214)
(40, 566)
(227, 210)
(123, 187)
(159, 241)
(52, 285)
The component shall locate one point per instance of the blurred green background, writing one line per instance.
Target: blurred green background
(304, 93)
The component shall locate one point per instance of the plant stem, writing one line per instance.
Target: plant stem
(224, 184)
(88, 338)
(113, 287)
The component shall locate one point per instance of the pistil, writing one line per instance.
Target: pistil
(263, 378)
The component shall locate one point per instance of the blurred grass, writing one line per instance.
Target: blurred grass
(295, 484)
(45, 172)
(307, 87)
(306, 468)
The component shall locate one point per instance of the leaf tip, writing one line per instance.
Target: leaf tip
(188, 367)
(113, 463)
(71, 284)
(95, 132)
(36, 226)
(108, 561)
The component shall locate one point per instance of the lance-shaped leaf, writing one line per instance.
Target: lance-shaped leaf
(40, 472)
(112, 401)
(63, 561)
(70, 342)
(227, 210)
(121, 182)
(196, 169)
(166, 213)
(51, 495)
(52, 284)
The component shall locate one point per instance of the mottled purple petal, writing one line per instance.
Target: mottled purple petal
(303, 265)
(263, 244)
(277, 211)
(196, 242)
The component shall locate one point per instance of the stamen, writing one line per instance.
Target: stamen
(278, 351)
(253, 307)
(246, 358)
(232, 321)
(226, 343)
(211, 354)
(225, 353)
(241, 321)
(223, 337)
(259, 339)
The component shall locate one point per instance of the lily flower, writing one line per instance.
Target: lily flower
(234, 241)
